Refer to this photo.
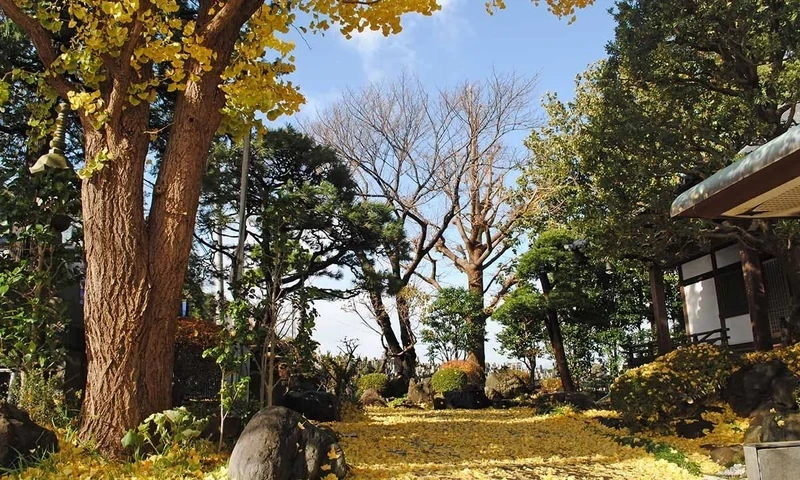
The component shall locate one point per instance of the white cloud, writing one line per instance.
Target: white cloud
(451, 25)
(384, 56)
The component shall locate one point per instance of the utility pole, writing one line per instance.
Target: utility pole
(239, 267)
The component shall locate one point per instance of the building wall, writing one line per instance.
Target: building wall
(702, 305)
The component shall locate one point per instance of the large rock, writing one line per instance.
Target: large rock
(21, 438)
(279, 444)
(470, 398)
(396, 387)
(420, 391)
(319, 406)
(773, 426)
(371, 398)
(505, 385)
(547, 402)
(727, 455)
(750, 387)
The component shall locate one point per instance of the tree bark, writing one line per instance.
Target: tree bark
(409, 357)
(118, 286)
(556, 340)
(477, 324)
(385, 324)
(756, 297)
(660, 320)
(135, 269)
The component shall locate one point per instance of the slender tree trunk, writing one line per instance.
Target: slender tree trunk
(385, 324)
(407, 337)
(556, 340)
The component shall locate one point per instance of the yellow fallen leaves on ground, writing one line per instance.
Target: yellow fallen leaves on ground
(387, 443)
(76, 463)
(493, 444)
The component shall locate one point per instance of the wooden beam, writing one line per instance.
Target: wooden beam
(718, 290)
(682, 286)
(756, 297)
(660, 320)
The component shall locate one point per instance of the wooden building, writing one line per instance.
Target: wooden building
(735, 290)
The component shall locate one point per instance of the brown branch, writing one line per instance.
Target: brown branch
(41, 41)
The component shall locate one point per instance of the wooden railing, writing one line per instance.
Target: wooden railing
(643, 353)
(712, 336)
(640, 353)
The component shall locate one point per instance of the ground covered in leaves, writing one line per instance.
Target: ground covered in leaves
(510, 444)
(452, 444)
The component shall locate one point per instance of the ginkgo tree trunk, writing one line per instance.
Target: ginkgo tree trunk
(222, 61)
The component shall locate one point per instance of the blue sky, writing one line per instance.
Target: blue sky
(461, 42)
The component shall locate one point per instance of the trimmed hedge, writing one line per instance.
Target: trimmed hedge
(473, 371)
(375, 381)
(656, 393)
(448, 380)
(550, 385)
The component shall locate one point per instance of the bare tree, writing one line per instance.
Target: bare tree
(436, 159)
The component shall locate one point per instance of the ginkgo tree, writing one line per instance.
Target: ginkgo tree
(221, 61)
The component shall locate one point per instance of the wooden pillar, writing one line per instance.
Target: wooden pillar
(660, 320)
(756, 297)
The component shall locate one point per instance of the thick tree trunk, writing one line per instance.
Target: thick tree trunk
(556, 339)
(135, 271)
(118, 285)
(477, 324)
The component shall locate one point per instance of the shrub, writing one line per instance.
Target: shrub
(375, 381)
(656, 393)
(550, 385)
(448, 380)
(160, 431)
(473, 371)
(42, 396)
(789, 355)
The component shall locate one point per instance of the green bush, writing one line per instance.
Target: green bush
(661, 391)
(473, 371)
(375, 381)
(160, 431)
(448, 380)
(42, 396)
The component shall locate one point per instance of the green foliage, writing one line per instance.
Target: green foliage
(448, 380)
(37, 266)
(41, 395)
(598, 305)
(160, 431)
(656, 393)
(230, 355)
(447, 331)
(472, 370)
(662, 451)
(374, 381)
(338, 373)
(398, 402)
(522, 317)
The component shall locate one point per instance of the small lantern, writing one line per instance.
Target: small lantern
(55, 157)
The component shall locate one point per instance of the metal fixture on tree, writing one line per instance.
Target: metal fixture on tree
(55, 158)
